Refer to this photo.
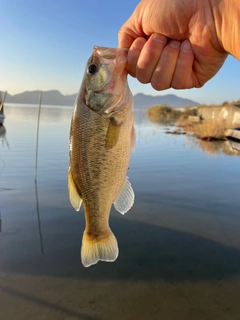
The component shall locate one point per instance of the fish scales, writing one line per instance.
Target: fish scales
(101, 138)
(94, 170)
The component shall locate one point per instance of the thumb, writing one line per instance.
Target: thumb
(131, 29)
(125, 39)
(126, 35)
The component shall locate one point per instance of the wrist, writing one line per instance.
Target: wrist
(226, 15)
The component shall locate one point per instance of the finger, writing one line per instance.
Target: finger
(133, 55)
(149, 57)
(163, 73)
(183, 77)
(132, 28)
(125, 40)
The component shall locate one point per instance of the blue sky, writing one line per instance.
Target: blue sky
(45, 45)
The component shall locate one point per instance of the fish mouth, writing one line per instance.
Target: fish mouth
(118, 58)
(108, 54)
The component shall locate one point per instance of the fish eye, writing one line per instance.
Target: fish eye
(92, 68)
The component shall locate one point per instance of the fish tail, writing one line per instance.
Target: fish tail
(104, 248)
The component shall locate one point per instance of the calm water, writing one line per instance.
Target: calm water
(179, 245)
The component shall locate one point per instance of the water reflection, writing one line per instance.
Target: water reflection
(215, 148)
(232, 148)
(160, 121)
(39, 219)
(3, 137)
(212, 148)
(2, 163)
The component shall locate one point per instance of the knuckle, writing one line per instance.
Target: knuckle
(158, 85)
(142, 77)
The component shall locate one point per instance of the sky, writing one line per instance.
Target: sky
(45, 45)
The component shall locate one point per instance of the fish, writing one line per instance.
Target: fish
(102, 137)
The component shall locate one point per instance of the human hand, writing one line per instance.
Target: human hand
(172, 43)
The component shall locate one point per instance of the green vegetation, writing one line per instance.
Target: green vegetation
(200, 123)
(212, 149)
(164, 113)
(211, 129)
(225, 103)
(237, 102)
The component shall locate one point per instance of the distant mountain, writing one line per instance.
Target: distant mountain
(54, 97)
(146, 101)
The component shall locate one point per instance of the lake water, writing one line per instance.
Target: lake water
(179, 244)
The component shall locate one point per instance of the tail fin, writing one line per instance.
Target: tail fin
(104, 249)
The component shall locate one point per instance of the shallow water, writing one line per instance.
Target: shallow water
(179, 245)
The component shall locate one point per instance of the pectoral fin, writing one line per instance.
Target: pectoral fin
(74, 197)
(125, 198)
(112, 135)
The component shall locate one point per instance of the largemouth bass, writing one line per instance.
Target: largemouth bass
(101, 138)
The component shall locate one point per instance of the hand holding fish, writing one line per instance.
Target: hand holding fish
(180, 44)
(101, 139)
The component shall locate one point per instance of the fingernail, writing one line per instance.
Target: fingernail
(186, 46)
(159, 37)
(174, 44)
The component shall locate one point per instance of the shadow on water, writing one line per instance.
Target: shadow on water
(147, 253)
